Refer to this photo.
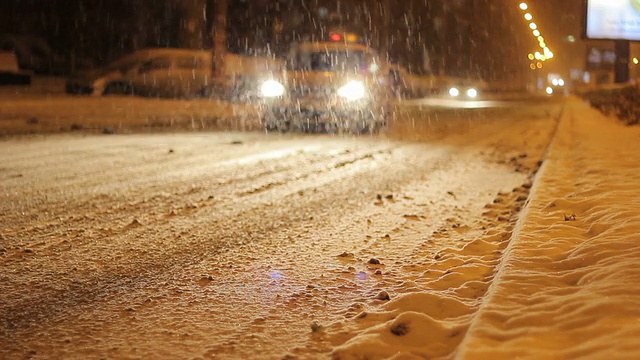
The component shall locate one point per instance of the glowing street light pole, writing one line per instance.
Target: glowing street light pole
(220, 37)
(546, 52)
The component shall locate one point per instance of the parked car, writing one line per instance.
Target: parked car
(149, 72)
(33, 54)
(10, 73)
(240, 76)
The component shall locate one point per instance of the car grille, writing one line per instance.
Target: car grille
(313, 92)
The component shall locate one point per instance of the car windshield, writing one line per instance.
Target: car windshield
(122, 65)
(331, 61)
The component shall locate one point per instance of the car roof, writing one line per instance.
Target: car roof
(332, 46)
(150, 52)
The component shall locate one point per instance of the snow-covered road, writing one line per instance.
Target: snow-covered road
(245, 245)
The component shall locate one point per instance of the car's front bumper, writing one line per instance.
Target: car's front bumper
(327, 107)
(331, 115)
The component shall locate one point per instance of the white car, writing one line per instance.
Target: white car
(149, 72)
(328, 86)
(464, 88)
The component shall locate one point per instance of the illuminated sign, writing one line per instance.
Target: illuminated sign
(613, 19)
(348, 37)
(600, 59)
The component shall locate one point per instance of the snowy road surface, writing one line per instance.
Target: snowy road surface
(245, 245)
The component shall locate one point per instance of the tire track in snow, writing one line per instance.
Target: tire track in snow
(117, 271)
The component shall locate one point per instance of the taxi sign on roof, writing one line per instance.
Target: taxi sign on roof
(346, 37)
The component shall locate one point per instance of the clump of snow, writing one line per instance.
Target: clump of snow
(120, 114)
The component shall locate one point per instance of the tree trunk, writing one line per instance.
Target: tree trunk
(192, 23)
(220, 36)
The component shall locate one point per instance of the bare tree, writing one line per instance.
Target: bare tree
(219, 35)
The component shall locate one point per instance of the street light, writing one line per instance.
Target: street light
(538, 57)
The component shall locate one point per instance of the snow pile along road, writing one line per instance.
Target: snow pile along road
(568, 287)
(120, 114)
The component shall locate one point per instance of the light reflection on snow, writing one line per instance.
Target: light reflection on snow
(276, 275)
(361, 275)
(274, 154)
(457, 104)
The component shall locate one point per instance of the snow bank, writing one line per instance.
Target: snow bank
(620, 100)
(568, 286)
(60, 113)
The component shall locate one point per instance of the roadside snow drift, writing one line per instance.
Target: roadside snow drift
(568, 287)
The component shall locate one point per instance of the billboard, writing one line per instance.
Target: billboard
(613, 19)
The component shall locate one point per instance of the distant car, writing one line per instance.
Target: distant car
(467, 89)
(33, 54)
(10, 73)
(149, 72)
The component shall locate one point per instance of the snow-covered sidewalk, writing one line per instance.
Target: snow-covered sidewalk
(569, 285)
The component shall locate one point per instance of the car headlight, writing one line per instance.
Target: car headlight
(271, 88)
(454, 92)
(353, 90)
(472, 93)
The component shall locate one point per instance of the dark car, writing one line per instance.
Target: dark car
(10, 73)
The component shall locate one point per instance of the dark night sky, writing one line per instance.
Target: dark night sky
(99, 30)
